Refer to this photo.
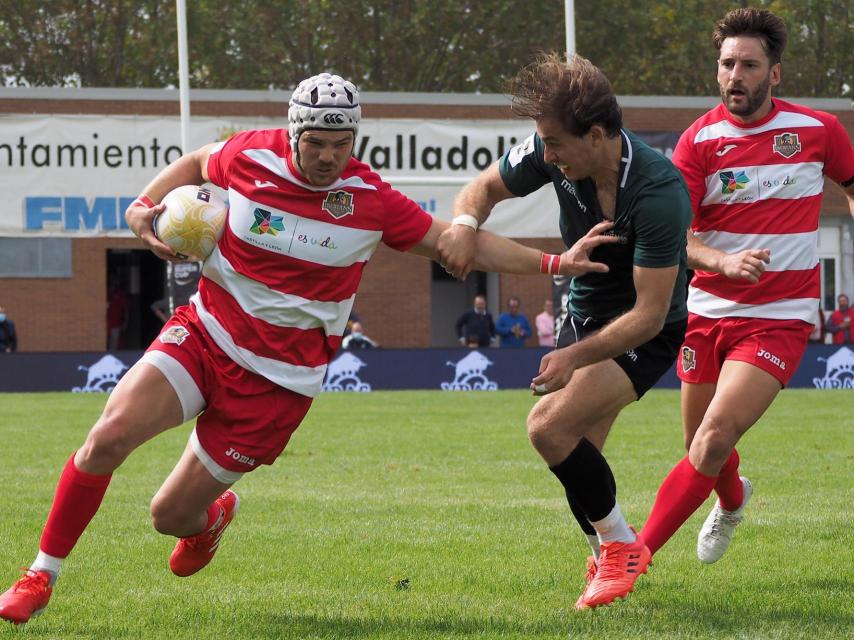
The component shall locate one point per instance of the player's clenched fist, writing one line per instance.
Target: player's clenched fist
(456, 248)
(746, 265)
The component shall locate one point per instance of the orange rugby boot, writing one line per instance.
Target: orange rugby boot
(588, 578)
(620, 565)
(27, 598)
(193, 553)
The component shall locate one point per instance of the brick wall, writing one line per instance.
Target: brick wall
(65, 314)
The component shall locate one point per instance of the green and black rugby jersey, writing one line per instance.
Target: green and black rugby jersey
(653, 212)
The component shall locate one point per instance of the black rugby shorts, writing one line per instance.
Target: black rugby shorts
(645, 364)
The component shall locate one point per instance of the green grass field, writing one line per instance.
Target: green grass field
(428, 515)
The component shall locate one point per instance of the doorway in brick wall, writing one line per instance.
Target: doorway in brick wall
(450, 298)
(135, 280)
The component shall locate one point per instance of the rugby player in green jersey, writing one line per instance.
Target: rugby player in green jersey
(624, 325)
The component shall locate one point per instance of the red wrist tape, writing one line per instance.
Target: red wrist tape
(550, 263)
(144, 200)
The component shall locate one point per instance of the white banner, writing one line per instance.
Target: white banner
(75, 175)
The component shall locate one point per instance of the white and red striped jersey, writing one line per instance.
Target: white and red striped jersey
(276, 293)
(759, 186)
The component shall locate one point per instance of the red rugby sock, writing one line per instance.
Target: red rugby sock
(78, 496)
(729, 487)
(682, 492)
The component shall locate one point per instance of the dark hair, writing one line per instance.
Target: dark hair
(755, 23)
(574, 92)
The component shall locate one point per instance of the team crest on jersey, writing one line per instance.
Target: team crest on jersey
(787, 144)
(174, 335)
(732, 181)
(338, 204)
(689, 359)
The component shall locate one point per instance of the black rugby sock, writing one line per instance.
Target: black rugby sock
(589, 483)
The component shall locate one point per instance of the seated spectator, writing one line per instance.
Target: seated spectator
(512, 326)
(357, 338)
(475, 327)
(8, 336)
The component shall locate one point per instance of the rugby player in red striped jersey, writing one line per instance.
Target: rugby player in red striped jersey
(250, 351)
(755, 167)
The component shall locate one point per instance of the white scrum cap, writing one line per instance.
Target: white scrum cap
(324, 101)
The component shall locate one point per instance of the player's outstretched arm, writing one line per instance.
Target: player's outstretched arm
(743, 265)
(501, 255)
(190, 168)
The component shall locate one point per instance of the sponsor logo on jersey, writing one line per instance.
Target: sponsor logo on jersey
(725, 150)
(338, 204)
(622, 237)
(266, 222)
(689, 359)
(731, 181)
(323, 243)
(174, 335)
(786, 144)
(777, 182)
(264, 183)
(566, 185)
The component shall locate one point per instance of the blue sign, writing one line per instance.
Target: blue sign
(823, 367)
(76, 213)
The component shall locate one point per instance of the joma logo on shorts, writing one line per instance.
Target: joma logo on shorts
(239, 457)
(772, 359)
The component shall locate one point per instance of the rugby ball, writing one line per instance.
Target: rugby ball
(192, 222)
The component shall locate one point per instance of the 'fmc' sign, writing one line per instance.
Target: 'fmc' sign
(75, 213)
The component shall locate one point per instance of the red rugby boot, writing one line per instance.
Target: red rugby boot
(193, 553)
(592, 567)
(27, 598)
(620, 565)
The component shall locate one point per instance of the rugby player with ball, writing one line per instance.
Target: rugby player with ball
(250, 351)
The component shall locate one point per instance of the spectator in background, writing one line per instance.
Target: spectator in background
(118, 304)
(475, 328)
(512, 326)
(357, 339)
(8, 336)
(840, 321)
(819, 327)
(350, 320)
(545, 323)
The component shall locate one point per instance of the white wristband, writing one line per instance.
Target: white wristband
(467, 220)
